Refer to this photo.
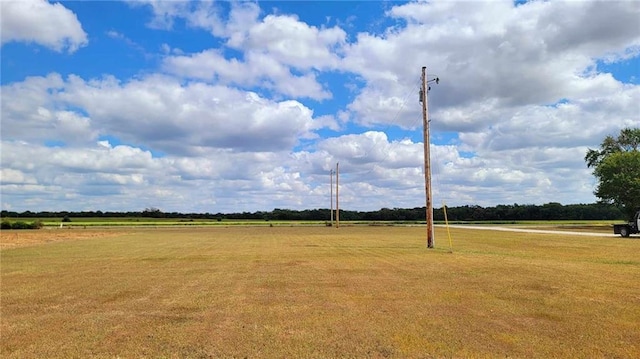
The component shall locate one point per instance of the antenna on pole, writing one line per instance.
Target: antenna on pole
(427, 156)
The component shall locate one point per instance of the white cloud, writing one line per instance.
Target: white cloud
(122, 37)
(498, 92)
(51, 25)
(497, 61)
(206, 15)
(33, 157)
(30, 113)
(582, 122)
(157, 111)
(373, 147)
(164, 12)
(257, 71)
(110, 178)
(272, 48)
(21, 98)
(12, 176)
(294, 43)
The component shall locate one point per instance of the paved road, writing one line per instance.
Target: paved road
(526, 230)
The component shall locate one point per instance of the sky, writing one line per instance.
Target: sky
(207, 107)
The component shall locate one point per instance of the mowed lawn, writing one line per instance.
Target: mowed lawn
(318, 292)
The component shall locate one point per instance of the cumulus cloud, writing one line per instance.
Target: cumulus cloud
(164, 12)
(257, 70)
(294, 43)
(107, 176)
(523, 81)
(13, 176)
(173, 118)
(280, 52)
(50, 25)
(30, 112)
(157, 111)
(498, 61)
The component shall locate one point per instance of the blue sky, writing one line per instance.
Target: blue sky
(245, 106)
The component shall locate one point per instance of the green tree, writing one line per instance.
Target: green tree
(616, 166)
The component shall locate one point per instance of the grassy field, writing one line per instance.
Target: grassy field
(588, 225)
(316, 292)
(151, 222)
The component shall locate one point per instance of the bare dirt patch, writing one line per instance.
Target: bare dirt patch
(575, 231)
(22, 238)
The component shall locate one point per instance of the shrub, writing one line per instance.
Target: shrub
(22, 225)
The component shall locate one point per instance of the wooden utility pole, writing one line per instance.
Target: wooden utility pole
(337, 195)
(427, 158)
(331, 174)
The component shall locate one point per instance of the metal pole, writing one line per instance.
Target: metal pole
(427, 159)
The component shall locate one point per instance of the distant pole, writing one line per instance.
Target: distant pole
(331, 174)
(337, 195)
(427, 159)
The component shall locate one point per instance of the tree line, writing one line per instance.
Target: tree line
(514, 212)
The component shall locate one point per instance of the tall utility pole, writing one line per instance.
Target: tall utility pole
(427, 158)
(337, 195)
(331, 174)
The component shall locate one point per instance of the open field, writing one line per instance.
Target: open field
(316, 292)
(570, 225)
(155, 222)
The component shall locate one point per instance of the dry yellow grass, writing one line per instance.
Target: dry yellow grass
(23, 238)
(295, 292)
